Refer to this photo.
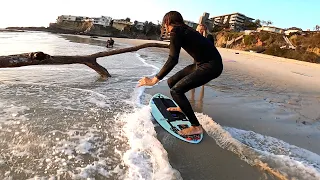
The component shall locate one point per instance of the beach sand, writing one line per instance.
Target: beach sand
(269, 95)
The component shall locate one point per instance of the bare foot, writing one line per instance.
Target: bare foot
(174, 109)
(191, 130)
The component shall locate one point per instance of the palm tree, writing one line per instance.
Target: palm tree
(269, 23)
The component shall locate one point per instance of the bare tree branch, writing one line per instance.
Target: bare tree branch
(40, 58)
(130, 49)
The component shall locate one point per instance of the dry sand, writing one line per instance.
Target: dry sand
(269, 95)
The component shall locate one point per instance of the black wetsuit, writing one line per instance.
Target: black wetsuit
(208, 65)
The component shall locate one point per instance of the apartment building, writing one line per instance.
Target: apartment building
(103, 20)
(235, 21)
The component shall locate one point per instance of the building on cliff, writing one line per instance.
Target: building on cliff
(139, 25)
(72, 18)
(271, 29)
(234, 21)
(121, 24)
(103, 20)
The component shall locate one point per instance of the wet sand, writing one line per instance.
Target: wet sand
(250, 82)
(273, 96)
(205, 160)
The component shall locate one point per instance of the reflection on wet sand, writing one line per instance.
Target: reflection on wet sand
(90, 41)
(197, 104)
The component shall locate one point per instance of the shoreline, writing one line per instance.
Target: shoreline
(259, 103)
(272, 96)
(124, 38)
(135, 42)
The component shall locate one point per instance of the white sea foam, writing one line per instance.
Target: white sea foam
(12, 114)
(143, 157)
(147, 64)
(290, 160)
(146, 158)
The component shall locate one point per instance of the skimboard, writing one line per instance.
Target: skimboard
(171, 121)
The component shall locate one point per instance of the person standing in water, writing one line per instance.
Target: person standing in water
(208, 65)
(203, 30)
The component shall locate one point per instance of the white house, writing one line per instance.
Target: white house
(288, 32)
(121, 24)
(139, 26)
(271, 29)
(72, 18)
(103, 20)
(248, 32)
(66, 18)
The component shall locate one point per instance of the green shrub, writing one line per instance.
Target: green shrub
(249, 40)
(312, 41)
(232, 35)
(264, 36)
(274, 50)
(301, 55)
(258, 49)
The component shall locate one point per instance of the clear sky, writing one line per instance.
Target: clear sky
(283, 13)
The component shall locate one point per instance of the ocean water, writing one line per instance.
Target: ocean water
(64, 122)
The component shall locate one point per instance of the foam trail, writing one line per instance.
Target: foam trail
(275, 146)
(275, 156)
(144, 62)
(156, 69)
(138, 92)
(146, 157)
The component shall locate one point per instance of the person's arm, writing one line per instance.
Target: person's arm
(210, 37)
(175, 47)
(205, 33)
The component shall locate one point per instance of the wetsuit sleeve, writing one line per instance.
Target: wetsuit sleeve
(175, 47)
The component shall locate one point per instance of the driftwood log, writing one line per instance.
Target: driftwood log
(40, 58)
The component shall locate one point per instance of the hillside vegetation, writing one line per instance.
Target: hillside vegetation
(307, 46)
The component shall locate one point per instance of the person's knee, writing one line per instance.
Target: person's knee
(173, 92)
(176, 90)
(170, 83)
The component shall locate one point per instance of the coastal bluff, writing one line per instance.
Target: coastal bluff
(85, 28)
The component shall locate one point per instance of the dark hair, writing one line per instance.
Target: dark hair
(172, 18)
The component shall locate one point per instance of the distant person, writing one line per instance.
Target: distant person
(208, 65)
(203, 30)
(110, 43)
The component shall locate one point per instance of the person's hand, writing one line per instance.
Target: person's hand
(145, 81)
